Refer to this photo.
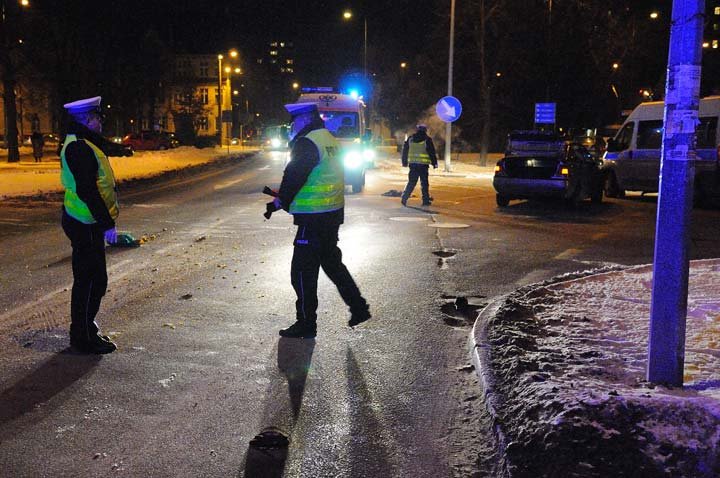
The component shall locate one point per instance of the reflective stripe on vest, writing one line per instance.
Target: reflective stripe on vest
(417, 153)
(76, 207)
(324, 189)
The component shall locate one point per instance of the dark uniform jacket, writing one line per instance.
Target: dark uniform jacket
(84, 167)
(304, 156)
(419, 137)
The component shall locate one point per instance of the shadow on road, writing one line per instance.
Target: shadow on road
(40, 387)
(281, 409)
(368, 455)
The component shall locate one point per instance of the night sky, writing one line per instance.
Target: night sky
(324, 43)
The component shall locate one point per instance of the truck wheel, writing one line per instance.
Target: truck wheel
(501, 200)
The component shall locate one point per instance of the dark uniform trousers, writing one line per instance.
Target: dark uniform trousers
(417, 171)
(315, 247)
(89, 275)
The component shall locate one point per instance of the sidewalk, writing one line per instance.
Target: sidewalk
(27, 177)
(563, 368)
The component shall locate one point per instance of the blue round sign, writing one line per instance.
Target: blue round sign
(448, 109)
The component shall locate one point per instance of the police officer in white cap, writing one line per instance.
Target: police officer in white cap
(313, 191)
(419, 153)
(90, 208)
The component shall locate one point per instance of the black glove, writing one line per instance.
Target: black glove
(127, 152)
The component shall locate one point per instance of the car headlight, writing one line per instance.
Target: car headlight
(369, 154)
(275, 142)
(353, 159)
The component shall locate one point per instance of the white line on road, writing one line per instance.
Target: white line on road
(567, 254)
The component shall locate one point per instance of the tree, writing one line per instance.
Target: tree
(189, 113)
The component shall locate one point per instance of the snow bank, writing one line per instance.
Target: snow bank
(568, 360)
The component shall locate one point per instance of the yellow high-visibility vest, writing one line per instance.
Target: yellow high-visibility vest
(76, 207)
(417, 153)
(324, 189)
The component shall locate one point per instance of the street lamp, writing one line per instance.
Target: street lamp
(218, 125)
(347, 15)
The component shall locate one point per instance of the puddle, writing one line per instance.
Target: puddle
(445, 253)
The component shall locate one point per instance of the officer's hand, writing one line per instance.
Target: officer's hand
(277, 203)
(434, 166)
(111, 236)
(128, 152)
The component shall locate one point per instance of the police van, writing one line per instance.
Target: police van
(632, 159)
(344, 117)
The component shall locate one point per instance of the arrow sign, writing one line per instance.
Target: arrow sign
(448, 109)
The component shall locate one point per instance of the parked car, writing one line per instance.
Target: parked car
(572, 174)
(147, 140)
(533, 142)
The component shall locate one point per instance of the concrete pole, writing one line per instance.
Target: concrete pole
(219, 101)
(448, 127)
(668, 310)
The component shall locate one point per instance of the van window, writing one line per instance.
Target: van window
(342, 124)
(623, 138)
(705, 133)
(650, 134)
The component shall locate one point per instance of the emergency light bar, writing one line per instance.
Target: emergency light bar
(317, 89)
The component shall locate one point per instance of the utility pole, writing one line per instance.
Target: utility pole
(668, 309)
(448, 127)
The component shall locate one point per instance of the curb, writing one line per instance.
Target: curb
(480, 355)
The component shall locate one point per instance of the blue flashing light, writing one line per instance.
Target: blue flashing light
(317, 89)
(354, 94)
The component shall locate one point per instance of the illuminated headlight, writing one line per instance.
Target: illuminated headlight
(353, 159)
(369, 154)
(275, 142)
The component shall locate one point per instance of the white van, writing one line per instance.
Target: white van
(632, 159)
(344, 117)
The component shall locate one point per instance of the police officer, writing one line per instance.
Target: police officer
(312, 190)
(89, 211)
(419, 152)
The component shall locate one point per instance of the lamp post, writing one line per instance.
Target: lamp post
(218, 126)
(448, 127)
(347, 15)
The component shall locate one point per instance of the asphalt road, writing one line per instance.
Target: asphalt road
(195, 311)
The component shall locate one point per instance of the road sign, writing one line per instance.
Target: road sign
(544, 113)
(448, 109)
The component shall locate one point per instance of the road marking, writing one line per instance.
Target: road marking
(264, 168)
(227, 184)
(152, 205)
(599, 235)
(568, 254)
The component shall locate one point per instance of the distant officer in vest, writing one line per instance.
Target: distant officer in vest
(419, 153)
(89, 211)
(312, 190)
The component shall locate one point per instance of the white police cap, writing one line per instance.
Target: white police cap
(296, 109)
(421, 126)
(83, 106)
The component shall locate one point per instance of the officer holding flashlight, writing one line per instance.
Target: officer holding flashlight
(313, 191)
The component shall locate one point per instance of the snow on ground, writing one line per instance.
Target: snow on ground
(29, 178)
(568, 361)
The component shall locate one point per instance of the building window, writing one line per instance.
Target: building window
(273, 52)
(203, 123)
(273, 44)
(289, 61)
(715, 44)
(204, 95)
(288, 70)
(204, 70)
(717, 10)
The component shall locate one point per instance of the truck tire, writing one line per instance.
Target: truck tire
(501, 200)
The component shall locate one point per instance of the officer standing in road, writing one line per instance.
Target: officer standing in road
(313, 191)
(419, 152)
(89, 211)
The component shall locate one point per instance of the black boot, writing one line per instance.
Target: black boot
(300, 330)
(359, 316)
(96, 345)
